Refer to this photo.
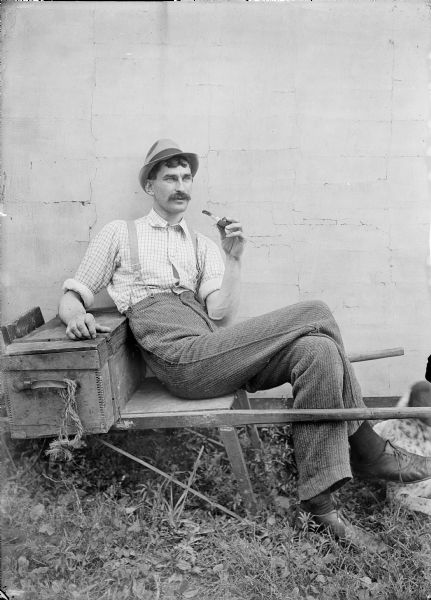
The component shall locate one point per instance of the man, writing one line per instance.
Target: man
(176, 293)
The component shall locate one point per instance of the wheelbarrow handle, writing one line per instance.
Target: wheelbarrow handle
(360, 356)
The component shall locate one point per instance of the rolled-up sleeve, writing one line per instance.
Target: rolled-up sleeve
(212, 266)
(98, 265)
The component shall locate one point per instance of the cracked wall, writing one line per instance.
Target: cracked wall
(311, 123)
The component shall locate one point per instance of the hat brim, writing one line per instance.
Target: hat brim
(192, 159)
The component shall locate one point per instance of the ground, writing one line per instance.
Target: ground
(102, 527)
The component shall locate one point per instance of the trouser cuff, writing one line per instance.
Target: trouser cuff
(329, 479)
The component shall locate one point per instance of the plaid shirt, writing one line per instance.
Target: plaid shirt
(107, 262)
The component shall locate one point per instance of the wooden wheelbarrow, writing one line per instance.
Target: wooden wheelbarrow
(107, 383)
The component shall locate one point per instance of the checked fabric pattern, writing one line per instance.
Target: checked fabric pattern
(107, 262)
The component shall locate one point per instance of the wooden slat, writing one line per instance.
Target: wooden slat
(153, 397)
(55, 330)
(235, 418)
(156, 405)
(229, 436)
(56, 360)
(50, 430)
(242, 401)
(52, 338)
(117, 338)
(53, 346)
(22, 326)
(126, 370)
(278, 402)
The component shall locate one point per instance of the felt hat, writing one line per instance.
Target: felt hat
(162, 150)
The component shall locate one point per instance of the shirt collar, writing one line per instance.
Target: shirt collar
(155, 220)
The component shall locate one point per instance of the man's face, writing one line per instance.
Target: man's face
(171, 190)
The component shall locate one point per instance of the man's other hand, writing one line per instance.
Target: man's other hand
(232, 238)
(84, 326)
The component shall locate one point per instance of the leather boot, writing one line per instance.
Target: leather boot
(394, 464)
(337, 525)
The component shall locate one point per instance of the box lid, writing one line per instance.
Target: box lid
(51, 338)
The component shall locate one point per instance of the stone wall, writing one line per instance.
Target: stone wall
(310, 119)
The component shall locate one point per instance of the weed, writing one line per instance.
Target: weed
(103, 528)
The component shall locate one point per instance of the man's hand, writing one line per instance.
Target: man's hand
(223, 303)
(232, 238)
(84, 326)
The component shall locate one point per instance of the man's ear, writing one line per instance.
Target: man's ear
(148, 187)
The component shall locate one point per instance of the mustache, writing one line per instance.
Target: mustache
(179, 196)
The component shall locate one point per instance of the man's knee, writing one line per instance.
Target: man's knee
(319, 309)
(318, 313)
(319, 355)
(323, 350)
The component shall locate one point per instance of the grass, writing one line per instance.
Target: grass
(103, 528)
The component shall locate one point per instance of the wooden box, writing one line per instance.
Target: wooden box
(106, 370)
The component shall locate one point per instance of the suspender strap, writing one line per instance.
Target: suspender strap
(195, 243)
(133, 245)
(198, 267)
(134, 255)
(195, 247)
(176, 275)
(194, 237)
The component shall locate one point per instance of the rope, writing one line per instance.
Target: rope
(61, 448)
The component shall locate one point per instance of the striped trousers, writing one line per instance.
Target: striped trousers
(300, 344)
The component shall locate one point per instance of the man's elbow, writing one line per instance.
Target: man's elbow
(221, 315)
(217, 313)
(220, 308)
(215, 306)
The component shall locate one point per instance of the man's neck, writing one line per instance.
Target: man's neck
(171, 219)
